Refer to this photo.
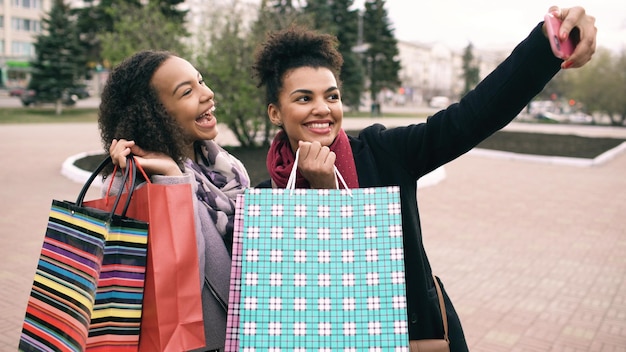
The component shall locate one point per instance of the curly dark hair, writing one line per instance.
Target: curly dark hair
(131, 108)
(292, 48)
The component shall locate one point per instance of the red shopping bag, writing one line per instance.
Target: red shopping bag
(172, 317)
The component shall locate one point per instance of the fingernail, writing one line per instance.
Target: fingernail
(567, 64)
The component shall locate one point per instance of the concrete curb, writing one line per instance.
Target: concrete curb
(566, 161)
(69, 170)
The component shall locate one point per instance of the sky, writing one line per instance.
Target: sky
(494, 24)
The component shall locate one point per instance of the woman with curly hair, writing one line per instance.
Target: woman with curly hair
(157, 107)
(299, 70)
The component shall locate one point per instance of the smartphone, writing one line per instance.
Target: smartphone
(561, 49)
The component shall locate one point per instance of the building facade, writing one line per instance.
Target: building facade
(435, 70)
(427, 70)
(20, 21)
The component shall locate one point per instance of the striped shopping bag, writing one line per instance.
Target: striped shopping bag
(89, 278)
(116, 316)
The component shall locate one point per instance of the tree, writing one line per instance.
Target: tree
(382, 63)
(273, 15)
(170, 10)
(98, 17)
(226, 65)
(95, 19)
(59, 59)
(471, 72)
(140, 28)
(619, 108)
(597, 87)
(558, 87)
(601, 85)
(337, 18)
(276, 15)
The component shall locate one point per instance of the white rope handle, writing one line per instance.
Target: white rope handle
(291, 183)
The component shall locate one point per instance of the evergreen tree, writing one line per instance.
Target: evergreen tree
(95, 19)
(381, 58)
(59, 59)
(336, 17)
(276, 15)
(282, 7)
(169, 9)
(471, 70)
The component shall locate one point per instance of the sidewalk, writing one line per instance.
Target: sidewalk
(532, 254)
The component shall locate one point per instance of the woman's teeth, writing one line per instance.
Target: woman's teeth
(319, 125)
(203, 116)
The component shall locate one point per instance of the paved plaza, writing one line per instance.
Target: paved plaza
(532, 253)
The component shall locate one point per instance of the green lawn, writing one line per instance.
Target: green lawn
(47, 114)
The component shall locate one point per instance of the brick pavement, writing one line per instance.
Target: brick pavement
(533, 254)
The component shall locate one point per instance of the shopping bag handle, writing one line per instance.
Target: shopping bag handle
(130, 175)
(291, 182)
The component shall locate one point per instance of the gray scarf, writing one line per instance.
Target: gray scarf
(221, 177)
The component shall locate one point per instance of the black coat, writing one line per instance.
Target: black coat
(401, 155)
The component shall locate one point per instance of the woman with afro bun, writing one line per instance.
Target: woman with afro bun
(157, 107)
(299, 70)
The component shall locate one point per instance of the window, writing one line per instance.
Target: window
(27, 4)
(24, 24)
(22, 49)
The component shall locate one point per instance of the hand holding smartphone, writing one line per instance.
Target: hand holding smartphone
(561, 49)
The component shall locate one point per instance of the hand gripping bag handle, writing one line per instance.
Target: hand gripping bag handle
(130, 175)
(291, 182)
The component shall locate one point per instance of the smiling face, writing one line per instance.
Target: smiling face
(186, 97)
(309, 106)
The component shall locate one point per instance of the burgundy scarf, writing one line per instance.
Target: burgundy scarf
(280, 159)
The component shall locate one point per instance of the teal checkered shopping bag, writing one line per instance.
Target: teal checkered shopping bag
(318, 270)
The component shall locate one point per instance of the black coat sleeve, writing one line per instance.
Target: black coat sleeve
(494, 103)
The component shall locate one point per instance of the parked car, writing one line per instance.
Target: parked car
(439, 102)
(580, 117)
(16, 91)
(70, 97)
(80, 91)
(550, 117)
(31, 96)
